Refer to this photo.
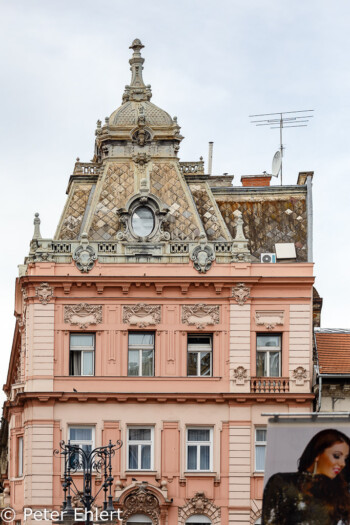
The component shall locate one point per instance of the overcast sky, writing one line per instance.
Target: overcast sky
(64, 64)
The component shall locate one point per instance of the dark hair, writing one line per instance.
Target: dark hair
(320, 441)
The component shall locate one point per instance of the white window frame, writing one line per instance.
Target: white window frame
(139, 443)
(141, 348)
(205, 348)
(20, 456)
(80, 442)
(198, 445)
(267, 350)
(83, 349)
(259, 444)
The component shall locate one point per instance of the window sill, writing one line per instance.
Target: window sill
(259, 473)
(142, 471)
(205, 473)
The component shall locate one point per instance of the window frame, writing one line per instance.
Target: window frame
(199, 352)
(139, 443)
(198, 445)
(83, 349)
(260, 444)
(82, 441)
(20, 456)
(140, 350)
(267, 350)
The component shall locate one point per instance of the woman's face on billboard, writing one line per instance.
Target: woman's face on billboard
(332, 460)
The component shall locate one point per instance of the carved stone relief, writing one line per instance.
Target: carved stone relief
(203, 257)
(240, 374)
(84, 256)
(83, 314)
(44, 293)
(200, 315)
(241, 293)
(269, 318)
(141, 501)
(142, 315)
(201, 505)
(300, 375)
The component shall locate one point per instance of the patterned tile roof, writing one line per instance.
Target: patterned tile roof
(333, 349)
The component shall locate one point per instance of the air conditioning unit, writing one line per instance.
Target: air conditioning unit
(268, 258)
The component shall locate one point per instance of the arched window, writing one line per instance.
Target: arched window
(139, 519)
(199, 519)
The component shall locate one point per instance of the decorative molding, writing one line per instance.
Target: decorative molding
(269, 318)
(300, 375)
(199, 504)
(84, 256)
(141, 501)
(240, 374)
(83, 314)
(203, 257)
(241, 293)
(44, 293)
(200, 315)
(142, 315)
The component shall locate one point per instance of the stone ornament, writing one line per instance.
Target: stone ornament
(241, 293)
(44, 293)
(84, 256)
(83, 314)
(203, 257)
(141, 501)
(269, 318)
(200, 315)
(240, 252)
(299, 375)
(142, 315)
(240, 374)
(199, 504)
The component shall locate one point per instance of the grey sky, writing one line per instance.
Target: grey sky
(64, 64)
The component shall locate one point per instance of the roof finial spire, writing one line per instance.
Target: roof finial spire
(137, 90)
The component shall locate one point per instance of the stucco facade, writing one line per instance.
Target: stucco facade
(149, 318)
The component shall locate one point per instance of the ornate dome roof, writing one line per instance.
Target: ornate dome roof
(129, 112)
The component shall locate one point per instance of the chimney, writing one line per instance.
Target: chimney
(255, 180)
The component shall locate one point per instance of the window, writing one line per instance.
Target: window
(260, 449)
(140, 448)
(141, 354)
(142, 221)
(81, 354)
(199, 519)
(199, 449)
(20, 457)
(268, 356)
(199, 355)
(82, 437)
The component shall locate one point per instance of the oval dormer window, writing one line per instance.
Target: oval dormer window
(142, 221)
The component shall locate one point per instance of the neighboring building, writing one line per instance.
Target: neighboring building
(332, 369)
(150, 317)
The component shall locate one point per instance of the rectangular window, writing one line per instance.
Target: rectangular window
(141, 354)
(199, 447)
(82, 437)
(260, 449)
(81, 354)
(268, 356)
(20, 457)
(140, 448)
(199, 355)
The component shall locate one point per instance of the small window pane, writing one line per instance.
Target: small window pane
(142, 221)
(81, 340)
(260, 434)
(268, 341)
(75, 363)
(260, 457)
(198, 434)
(192, 360)
(199, 340)
(145, 456)
(274, 364)
(139, 434)
(141, 338)
(133, 366)
(80, 434)
(147, 362)
(261, 364)
(204, 457)
(205, 363)
(88, 363)
(191, 458)
(133, 456)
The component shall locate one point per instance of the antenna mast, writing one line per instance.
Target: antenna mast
(281, 120)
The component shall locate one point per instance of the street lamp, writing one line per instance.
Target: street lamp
(98, 461)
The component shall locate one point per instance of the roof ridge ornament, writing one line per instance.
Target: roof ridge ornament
(137, 90)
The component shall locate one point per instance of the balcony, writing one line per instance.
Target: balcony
(269, 385)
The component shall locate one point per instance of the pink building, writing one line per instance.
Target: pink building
(152, 317)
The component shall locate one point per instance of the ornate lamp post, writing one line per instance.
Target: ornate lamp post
(98, 461)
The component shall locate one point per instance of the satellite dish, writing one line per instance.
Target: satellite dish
(276, 163)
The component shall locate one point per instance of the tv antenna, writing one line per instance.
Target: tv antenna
(281, 120)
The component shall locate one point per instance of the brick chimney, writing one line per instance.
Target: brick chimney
(255, 180)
